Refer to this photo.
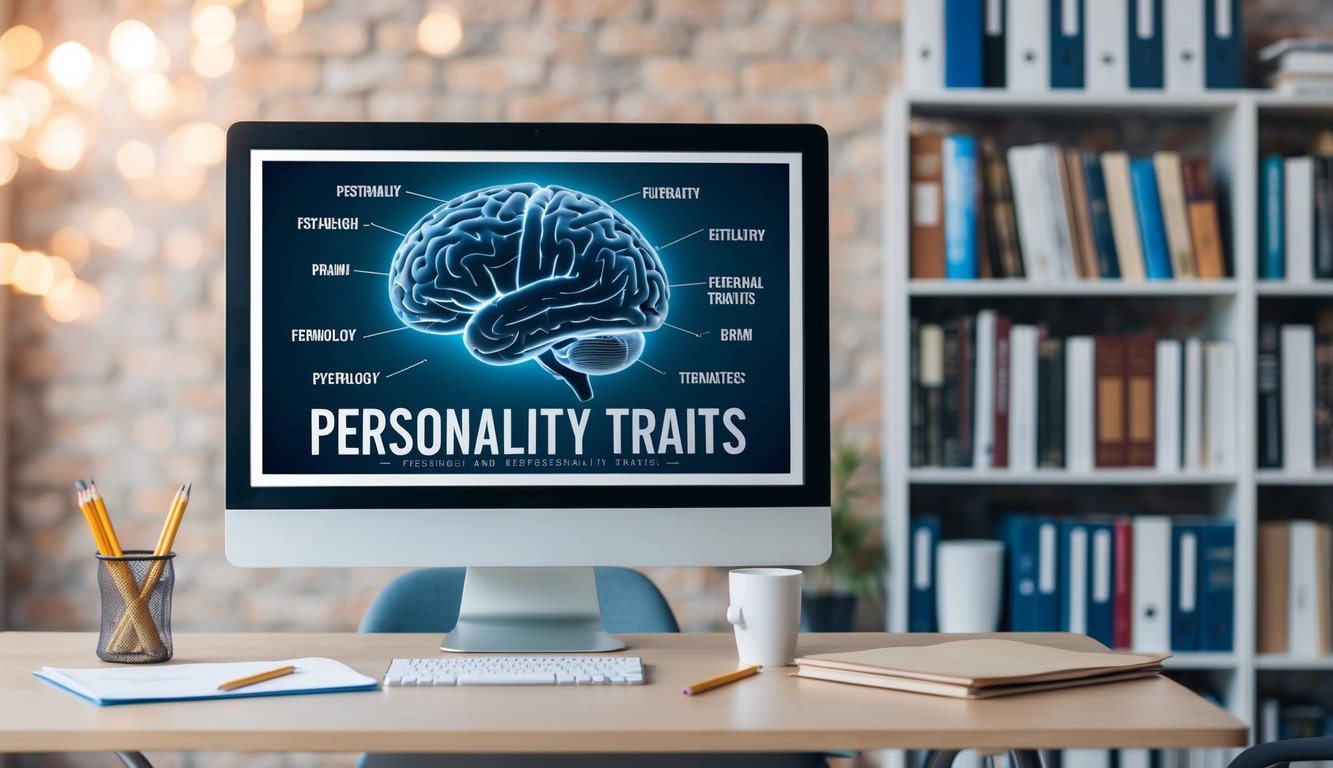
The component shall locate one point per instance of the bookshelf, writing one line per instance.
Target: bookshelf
(1234, 128)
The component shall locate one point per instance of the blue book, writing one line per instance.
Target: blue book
(1066, 44)
(960, 207)
(1152, 231)
(1145, 50)
(1217, 587)
(1272, 262)
(1100, 213)
(1186, 541)
(1101, 583)
(921, 565)
(1223, 44)
(963, 21)
(1075, 570)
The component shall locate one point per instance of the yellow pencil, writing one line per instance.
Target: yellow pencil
(720, 680)
(90, 517)
(165, 538)
(164, 542)
(105, 519)
(260, 677)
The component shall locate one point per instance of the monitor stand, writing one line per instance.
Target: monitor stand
(527, 610)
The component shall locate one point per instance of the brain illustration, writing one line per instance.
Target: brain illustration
(531, 272)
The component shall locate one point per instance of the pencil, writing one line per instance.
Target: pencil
(90, 517)
(260, 677)
(164, 542)
(105, 519)
(720, 680)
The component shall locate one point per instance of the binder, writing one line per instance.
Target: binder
(1152, 230)
(1145, 44)
(1106, 45)
(1224, 43)
(993, 46)
(1271, 266)
(1075, 572)
(963, 21)
(1067, 43)
(1184, 56)
(1047, 607)
(1033, 549)
(921, 599)
(1101, 575)
(1217, 587)
(923, 45)
(1152, 584)
(1027, 27)
(1185, 565)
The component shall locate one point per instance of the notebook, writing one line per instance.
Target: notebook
(185, 682)
(981, 668)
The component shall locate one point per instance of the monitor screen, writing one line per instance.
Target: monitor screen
(553, 316)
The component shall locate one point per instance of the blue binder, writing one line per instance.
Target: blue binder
(1034, 596)
(963, 21)
(1100, 213)
(961, 182)
(1186, 546)
(1152, 232)
(1217, 587)
(1101, 583)
(1272, 264)
(1075, 570)
(1223, 44)
(1066, 45)
(1146, 48)
(925, 534)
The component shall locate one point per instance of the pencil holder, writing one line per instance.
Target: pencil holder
(136, 607)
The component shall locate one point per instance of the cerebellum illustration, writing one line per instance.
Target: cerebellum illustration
(531, 272)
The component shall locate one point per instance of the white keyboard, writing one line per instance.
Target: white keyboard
(516, 670)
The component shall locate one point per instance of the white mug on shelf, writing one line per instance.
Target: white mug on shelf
(765, 609)
(969, 574)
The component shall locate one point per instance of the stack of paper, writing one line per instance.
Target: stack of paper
(978, 669)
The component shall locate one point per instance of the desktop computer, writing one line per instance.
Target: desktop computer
(528, 350)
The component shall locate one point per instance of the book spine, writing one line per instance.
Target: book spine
(990, 237)
(967, 365)
(1030, 190)
(1183, 40)
(1168, 393)
(1112, 449)
(983, 406)
(1303, 625)
(1204, 228)
(1080, 220)
(1152, 232)
(1270, 396)
(1217, 588)
(1185, 565)
(1080, 408)
(1000, 454)
(1076, 569)
(1140, 401)
(1101, 585)
(963, 20)
(1323, 217)
(1171, 189)
(1059, 213)
(932, 386)
(1124, 219)
(1298, 207)
(1105, 54)
(927, 169)
(1067, 44)
(921, 605)
(1298, 397)
(1193, 420)
(918, 407)
(1271, 608)
(951, 394)
(1023, 398)
(1099, 217)
(1323, 390)
(1274, 219)
(1051, 405)
(993, 45)
(1019, 533)
(1027, 25)
(1047, 608)
(1152, 584)
(1145, 44)
(1220, 401)
(1123, 596)
(1000, 211)
(960, 211)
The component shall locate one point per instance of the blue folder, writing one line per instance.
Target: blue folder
(1217, 587)
(1223, 44)
(1186, 540)
(963, 21)
(1146, 51)
(925, 535)
(1066, 46)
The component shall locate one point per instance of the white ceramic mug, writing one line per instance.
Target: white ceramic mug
(969, 574)
(766, 612)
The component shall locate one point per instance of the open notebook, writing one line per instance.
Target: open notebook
(976, 669)
(184, 682)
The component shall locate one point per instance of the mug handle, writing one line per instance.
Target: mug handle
(734, 616)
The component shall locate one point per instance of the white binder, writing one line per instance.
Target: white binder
(923, 45)
(1106, 41)
(1152, 584)
(1028, 45)
(1183, 54)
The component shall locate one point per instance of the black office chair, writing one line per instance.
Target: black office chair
(1280, 753)
(427, 601)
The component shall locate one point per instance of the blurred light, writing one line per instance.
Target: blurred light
(70, 243)
(161, 57)
(184, 248)
(36, 98)
(440, 32)
(136, 160)
(113, 228)
(80, 302)
(183, 181)
(143, 246)
(213, 24)
(62, 277)
(191, 96)
(283, 16)
(9, 164)
(133, 46)
(33, 273)
(62, 143)
(9, 257)
(70, 64)
(200, 143)
(213, 60)
(20, 46)
(13, 118)
(152, 96)
(90, 93)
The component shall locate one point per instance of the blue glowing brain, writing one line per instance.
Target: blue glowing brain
(532, 272)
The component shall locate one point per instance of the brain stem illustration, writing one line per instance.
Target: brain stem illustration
(532, 272)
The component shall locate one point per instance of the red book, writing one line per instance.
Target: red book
(1112, 446)
(1140, 401)
(1000, 455)
(927, 180)
(1122, 595)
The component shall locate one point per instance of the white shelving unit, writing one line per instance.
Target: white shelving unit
(1231, 122)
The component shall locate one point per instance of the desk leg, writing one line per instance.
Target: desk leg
(1025, 758)
(134, 760)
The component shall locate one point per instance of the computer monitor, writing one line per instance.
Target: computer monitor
(527, 349)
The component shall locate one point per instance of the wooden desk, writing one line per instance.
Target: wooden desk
(770, 712)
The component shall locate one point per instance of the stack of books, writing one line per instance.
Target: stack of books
(1050, 213)
(978, 669)
(1296, 214)
(1300, 67)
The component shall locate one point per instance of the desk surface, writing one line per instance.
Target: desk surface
(772, 711)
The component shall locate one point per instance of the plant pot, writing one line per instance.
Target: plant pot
(833, 612)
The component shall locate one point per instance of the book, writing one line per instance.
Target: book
(983, 433)
(1110, 362)
(1140, 402)
(1152, 231)
(1186, 634)
(1298, 397)
(977, 668)
(1000, 436)
(953, 392)
(1075, 566)
(1323, 390)
(925, 535)
(967, 365)
(927, 183)
(1023, 398)
(1030, 173)
(963, 20)
(1269, 380)
(1152, 583)
(1308, 588)
(1099, 216)
(1171, 190)
(1124, 218)
(917, 416)
(932, 391)
(1204, 228)
(960, 207)
(1273, 218)
(1217, 587)
(1323, 217)
(999, 199)
(1166, 419)
(1298, 218)
(1051, 403)
(1271, 593)
(1122, 595)
(1220, 404)
(188, 682)
(1080, 413)
(1060, 214)
(1193, 401)
(1080, 216)
(1032, 548)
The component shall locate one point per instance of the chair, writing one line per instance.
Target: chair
(427, 600)
(1274, 753)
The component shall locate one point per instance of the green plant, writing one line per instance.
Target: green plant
(857, 562)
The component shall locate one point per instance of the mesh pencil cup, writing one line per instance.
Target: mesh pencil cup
(136, 607)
